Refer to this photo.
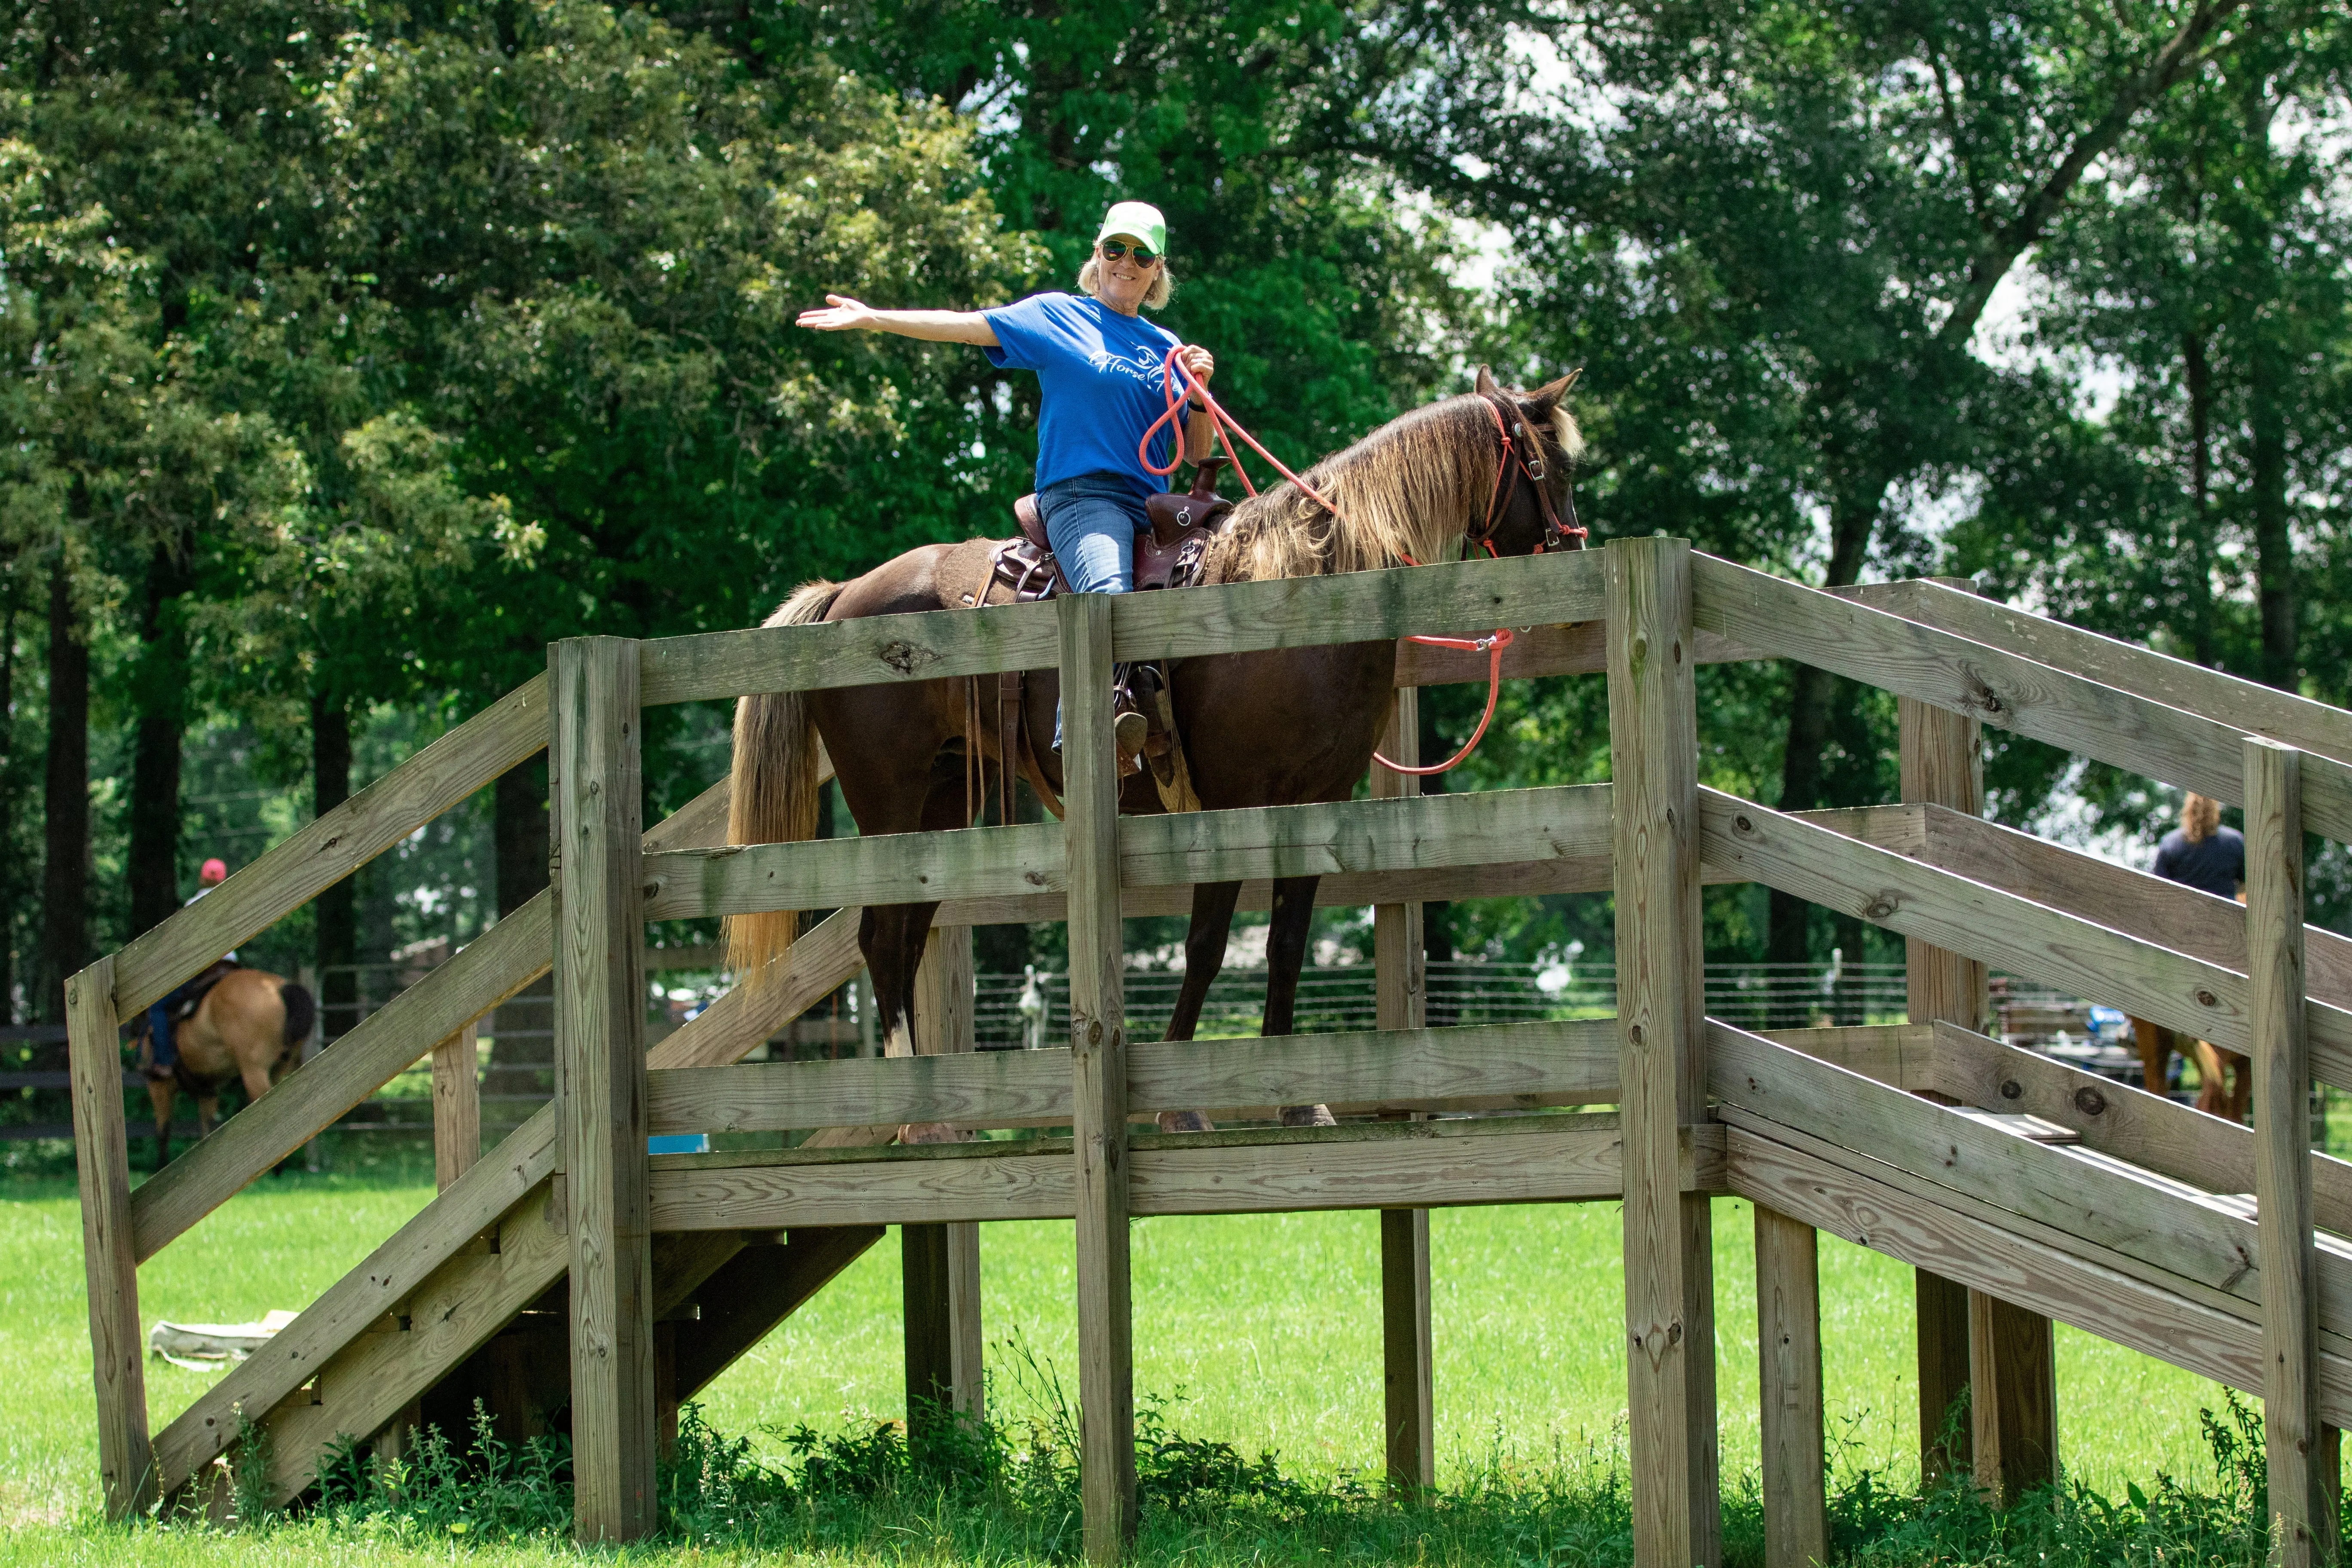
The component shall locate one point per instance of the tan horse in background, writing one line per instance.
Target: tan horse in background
(249, 1027)
(2215, 1095)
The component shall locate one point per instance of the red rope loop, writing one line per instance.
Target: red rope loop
(1492, 646)
(1179, 392)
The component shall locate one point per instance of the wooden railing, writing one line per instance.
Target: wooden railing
(573, 1189)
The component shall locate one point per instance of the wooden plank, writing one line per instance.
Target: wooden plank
(2127, 667)
(2129, 1124)
(307, 1102)
(332, 846)
(2166, 1224)
(1901, 1055)
(2025, 938)
(1410, 1164)
(1464, 598)
(1789, 620)
(1399, 961)
(1576, 647)
(1662, 1045)
(2289, 1279)
(833, 873)
(2149, 906)
(592, 793)
(1337, 837)
(126, 1471)
(2013, 1385)
(873, 650)
(1098, 1079)
(756, 1291)
(1506, 826)
(2118, 1307)
(457, 1106)
(1789, 1385)
(1490, 1066)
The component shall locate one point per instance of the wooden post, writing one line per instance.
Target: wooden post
(1399, 958)
(1661, 1035)
(456, 1105)
(2302, 1525)
(1789, 1383)
(600, 1052)
(942, 1262)
(1098, 1079)
(126, 1471)
(2011, 1435)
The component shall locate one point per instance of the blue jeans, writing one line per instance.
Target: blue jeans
(1091, 521)
(159, 1026)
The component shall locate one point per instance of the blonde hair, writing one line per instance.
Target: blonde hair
(1154, 298)
(1410, 490)
(2199, 818)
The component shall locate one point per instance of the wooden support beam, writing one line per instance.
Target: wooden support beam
(1401, 1000)
(941, 1262)
(457, 1106)
(1789, 1385)
(1662, 1073)
(2013, 1396)
(126, 1468)
(1098, 1079)
(600, 1021)
(2302, 1531)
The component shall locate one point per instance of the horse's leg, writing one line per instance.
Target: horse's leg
(207, 1114)
(2155, 1044)
(1285, 954)
(1204, 956)
(2212, 1086)
(2242, 1084)
(162, 1094)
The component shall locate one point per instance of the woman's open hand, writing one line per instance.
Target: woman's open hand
(840, 314)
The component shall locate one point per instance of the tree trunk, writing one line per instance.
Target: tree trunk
(8, 810)
(2198, 372)
(518, 824)
(65, 827)
(160, 687)
(2274, 547)
(335, 911)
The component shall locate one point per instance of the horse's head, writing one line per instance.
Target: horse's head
(1532, 509)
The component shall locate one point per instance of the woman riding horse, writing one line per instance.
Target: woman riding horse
(1098, 366)
(1484, 471)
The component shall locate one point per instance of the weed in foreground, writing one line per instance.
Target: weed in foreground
(997, 1491)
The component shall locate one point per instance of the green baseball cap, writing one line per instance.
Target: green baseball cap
(1136, 220)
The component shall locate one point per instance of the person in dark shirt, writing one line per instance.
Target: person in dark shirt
(2201, 854)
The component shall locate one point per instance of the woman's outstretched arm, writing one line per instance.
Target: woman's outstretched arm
(844, 314)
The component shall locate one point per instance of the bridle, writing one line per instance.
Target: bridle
(1522, 457)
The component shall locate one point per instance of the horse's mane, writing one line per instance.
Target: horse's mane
(1411, 489)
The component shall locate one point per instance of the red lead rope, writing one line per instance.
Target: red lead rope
(1178, 383)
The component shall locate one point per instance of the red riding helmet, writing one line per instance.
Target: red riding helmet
(214, 870)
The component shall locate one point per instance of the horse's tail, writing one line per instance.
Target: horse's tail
(302, 1012)
(773, 790)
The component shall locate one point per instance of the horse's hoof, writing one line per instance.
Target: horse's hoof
(1308, 1116)
(1185, 1121)
(927, 1132)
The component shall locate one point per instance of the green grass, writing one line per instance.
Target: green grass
(1260, 1331)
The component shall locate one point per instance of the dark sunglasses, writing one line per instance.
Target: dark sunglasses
(1113, 249)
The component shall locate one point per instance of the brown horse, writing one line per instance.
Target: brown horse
(249, 1027)
(1280, 728)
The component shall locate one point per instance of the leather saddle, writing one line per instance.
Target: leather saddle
(1167, 554)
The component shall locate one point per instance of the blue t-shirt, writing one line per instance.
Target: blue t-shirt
(1100, 373)
(2214, 864)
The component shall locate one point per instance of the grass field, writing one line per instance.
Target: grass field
(1261, 1331)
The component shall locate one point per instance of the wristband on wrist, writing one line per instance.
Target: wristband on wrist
(1196, 408)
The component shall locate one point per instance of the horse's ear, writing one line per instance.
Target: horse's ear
(1545, 398)
(1485, 385)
